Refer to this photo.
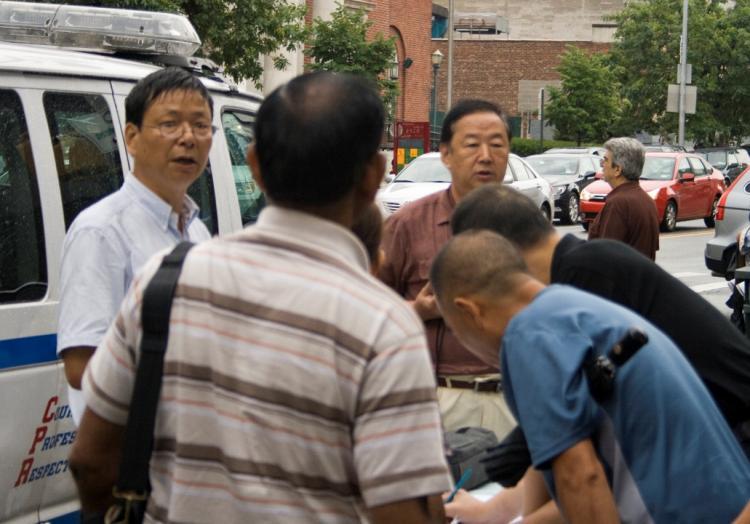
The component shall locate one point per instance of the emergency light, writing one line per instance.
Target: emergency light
(98, 29)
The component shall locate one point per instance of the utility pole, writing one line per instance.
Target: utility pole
(449, 91)
(541, 118)
(683, 74)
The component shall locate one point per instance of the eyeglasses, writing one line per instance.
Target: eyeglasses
(172, 130)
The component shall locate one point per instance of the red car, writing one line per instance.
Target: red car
(684, 186)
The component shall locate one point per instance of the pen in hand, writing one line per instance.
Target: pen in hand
(463, 480)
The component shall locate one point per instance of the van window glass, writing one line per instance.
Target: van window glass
(85, 147)
(238, 130)
(202, 191)
(23, 269)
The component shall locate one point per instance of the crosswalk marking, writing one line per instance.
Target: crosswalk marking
(702, 288)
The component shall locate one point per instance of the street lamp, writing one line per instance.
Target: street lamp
(436, 59)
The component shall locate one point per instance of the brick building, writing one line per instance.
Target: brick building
(511, 64)
(507, 72)
(408, 21)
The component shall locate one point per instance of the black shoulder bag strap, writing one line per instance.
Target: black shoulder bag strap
(133, 487)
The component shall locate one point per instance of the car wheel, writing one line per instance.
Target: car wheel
(547, 212)
(710, 221)
(669, 222)
(571, 212)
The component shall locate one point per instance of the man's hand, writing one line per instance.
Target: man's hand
(75, 360)
(583, 492)
(470, 510)
(425, 303)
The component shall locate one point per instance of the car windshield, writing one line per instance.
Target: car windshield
(424, 170)
(547, 165)
(716, 158)
(655, 168)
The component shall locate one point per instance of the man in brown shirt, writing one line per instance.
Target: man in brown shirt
(474, 145)
(629, 214)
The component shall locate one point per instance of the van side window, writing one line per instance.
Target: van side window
(202, 191)
(23, 269)
(238, 130)
(85, 147)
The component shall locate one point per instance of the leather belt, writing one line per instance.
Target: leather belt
(477, 385)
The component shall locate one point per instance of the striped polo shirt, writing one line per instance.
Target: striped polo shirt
(297, 388)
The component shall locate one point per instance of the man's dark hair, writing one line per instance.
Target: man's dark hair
(504, 210)
(468, 107)
(155, 85)
(315, 135)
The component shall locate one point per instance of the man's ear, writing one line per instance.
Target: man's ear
(469, 307)
(132, 135)
(445, 152)
(373, 177)
(254, 163)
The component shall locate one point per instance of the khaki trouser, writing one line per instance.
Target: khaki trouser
(466, 407)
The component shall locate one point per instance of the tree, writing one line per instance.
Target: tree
(645, 57)
(587, 107)
(234, 34)
(341, 44)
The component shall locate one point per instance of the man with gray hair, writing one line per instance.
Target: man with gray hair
(629, 214)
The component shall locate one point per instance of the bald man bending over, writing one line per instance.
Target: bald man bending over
(659, 418)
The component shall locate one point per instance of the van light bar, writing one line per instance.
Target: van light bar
(97, 28)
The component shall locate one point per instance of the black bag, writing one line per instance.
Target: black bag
(466, 446)
(132, 490)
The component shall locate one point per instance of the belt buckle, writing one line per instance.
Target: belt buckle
(498, 388)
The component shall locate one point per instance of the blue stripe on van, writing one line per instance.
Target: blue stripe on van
(27, 351)
(69, 518)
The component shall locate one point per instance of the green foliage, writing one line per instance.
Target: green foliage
(645, 57)
(234, 34)
(531, 146)
(587, 107)
(341, 44)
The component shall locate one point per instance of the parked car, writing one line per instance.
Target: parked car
(593, 150)
(568, 174)
(731, 161)
(732, 216)
(664, 148)
(427, 174)
(684, 186)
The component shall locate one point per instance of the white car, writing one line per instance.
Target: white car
(427, 174)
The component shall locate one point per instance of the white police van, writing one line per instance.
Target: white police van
(61, 149)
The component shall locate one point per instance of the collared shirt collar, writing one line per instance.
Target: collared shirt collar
(444, 208)
(315, 233)
(165, 216)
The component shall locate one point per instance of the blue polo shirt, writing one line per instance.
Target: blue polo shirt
(666, 448)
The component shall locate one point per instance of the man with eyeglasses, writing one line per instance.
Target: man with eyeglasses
(168, 133)
(629, 214)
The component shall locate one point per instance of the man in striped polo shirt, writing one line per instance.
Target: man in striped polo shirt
(297, 388)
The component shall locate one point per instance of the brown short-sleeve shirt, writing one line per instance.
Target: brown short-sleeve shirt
(412, 237)
(629, 216)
